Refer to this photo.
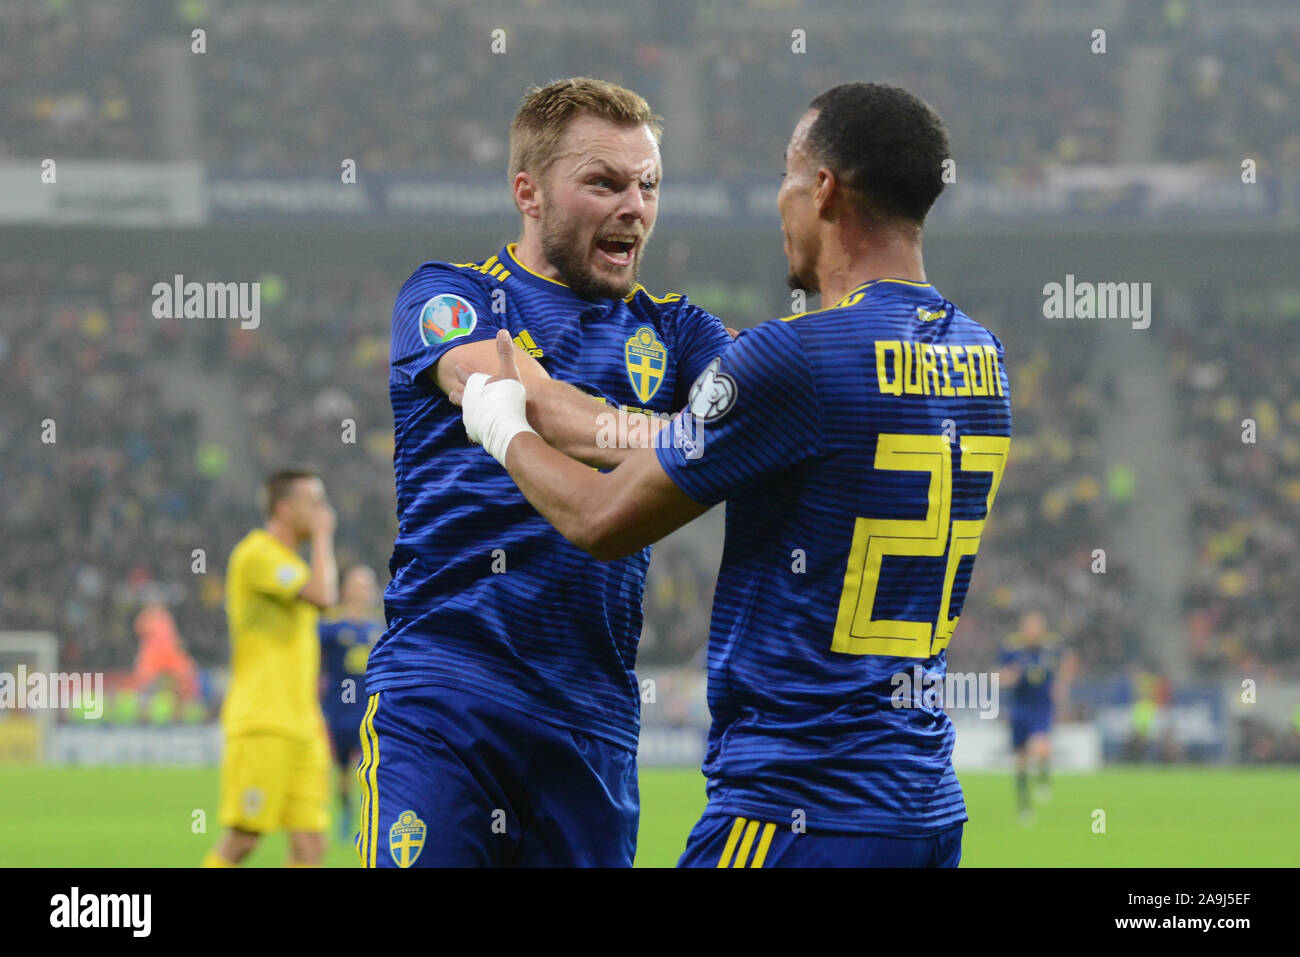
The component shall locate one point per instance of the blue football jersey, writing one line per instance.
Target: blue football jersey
(486, 596)
(859, 449)
(1038, 666)
(345, 645)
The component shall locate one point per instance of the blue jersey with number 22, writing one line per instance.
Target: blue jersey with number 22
(859, 449)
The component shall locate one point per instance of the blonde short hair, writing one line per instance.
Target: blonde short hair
(546, 111)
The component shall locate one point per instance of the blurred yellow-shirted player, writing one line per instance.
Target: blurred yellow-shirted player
(275, 762)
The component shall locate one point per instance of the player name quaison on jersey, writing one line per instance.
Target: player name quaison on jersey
(904, 367)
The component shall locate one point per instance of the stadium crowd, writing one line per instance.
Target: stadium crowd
(1242, 409)
(102, 496)
(291, 87)
(1020, 127)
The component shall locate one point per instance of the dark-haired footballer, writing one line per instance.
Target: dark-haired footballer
(274, 756)
(859, 449)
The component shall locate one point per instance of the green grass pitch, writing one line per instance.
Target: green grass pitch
(1154, 817)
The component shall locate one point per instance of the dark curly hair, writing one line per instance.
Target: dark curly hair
(884, 144)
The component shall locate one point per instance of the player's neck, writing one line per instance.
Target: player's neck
(528, 253)
(847, 264)
(282, 532)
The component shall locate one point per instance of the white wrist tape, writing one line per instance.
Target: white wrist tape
(494, 413)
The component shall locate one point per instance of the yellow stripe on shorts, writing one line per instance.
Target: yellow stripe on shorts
(374, 779)
(730, 847)
(743, 833)
(363, 835)
(763, 844)
(742, 855)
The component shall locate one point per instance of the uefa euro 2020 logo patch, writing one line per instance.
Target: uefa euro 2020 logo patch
(647, 358)
(406, 838)
(446, 317)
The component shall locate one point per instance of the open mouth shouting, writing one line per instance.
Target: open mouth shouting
(618, 249)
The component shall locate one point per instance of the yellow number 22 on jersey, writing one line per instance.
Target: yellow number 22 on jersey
(856, 632)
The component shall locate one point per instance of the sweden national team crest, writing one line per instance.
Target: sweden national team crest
(406, 838)
(646, 360)
(446, 317)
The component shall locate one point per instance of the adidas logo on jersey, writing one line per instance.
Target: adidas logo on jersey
(525, 341)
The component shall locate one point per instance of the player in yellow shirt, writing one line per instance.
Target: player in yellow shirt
(275, 763)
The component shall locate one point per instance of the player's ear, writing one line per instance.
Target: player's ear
(826, 190)
(527, 195)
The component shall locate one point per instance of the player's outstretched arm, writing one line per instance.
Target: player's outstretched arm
(606, 515)
(586, 427)
(582, 426)
(481, 356)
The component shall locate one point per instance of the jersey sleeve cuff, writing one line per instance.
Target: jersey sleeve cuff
(673, 459)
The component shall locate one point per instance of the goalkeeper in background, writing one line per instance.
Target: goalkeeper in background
(275, 760)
